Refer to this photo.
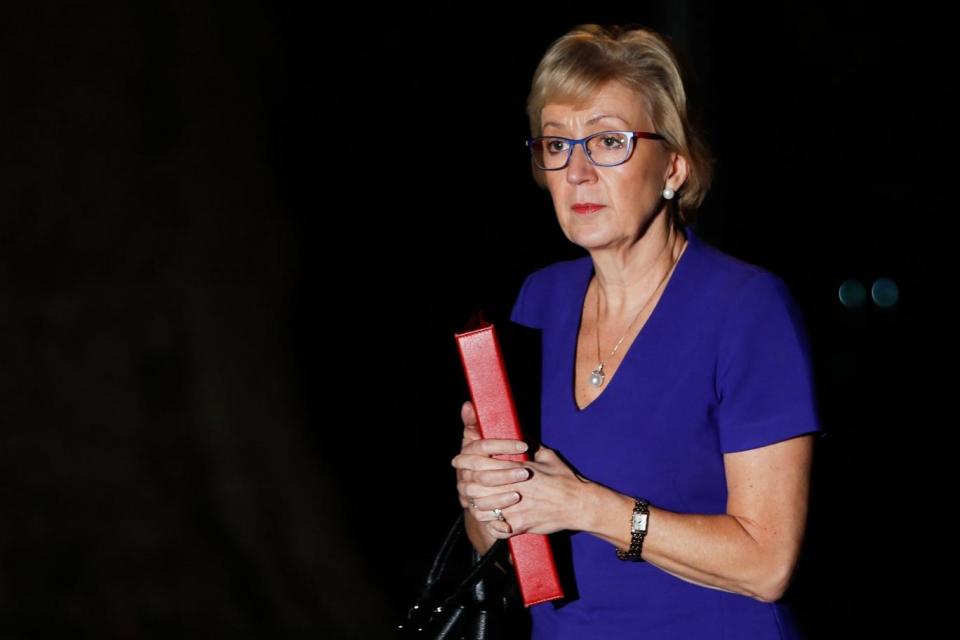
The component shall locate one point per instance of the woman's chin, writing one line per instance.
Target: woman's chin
(590, 243)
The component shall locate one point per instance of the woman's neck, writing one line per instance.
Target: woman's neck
(627, 280)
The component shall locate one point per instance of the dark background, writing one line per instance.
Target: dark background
(237, 238)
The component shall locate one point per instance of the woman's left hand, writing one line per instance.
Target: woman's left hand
(552, 499)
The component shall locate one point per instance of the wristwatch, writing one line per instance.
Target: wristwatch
(638, 529)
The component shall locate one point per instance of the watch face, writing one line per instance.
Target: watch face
(639, 522)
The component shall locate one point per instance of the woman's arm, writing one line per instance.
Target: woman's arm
(752, 549)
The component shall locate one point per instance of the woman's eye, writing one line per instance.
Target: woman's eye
(612, 142)
(556, 146)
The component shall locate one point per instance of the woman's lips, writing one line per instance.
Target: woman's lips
(587, 207)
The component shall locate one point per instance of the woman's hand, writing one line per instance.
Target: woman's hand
(543, 495)
(553, 499)
(485, 483)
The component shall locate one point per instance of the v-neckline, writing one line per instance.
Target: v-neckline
(584, 288)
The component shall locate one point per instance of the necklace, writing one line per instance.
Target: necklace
(597, 375)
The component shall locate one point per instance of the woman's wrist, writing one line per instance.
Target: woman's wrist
(477, 533)
(605, 513)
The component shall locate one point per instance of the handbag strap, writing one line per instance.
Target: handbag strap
(477, 571)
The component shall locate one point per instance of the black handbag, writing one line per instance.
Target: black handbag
(478, 601)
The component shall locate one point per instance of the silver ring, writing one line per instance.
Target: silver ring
(498, 513)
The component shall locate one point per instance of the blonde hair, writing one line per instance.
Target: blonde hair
(587, 57)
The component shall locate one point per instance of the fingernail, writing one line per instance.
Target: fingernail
(516, 496)
(521, 446)
(521, 474)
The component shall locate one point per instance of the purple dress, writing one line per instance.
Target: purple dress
(721, 365)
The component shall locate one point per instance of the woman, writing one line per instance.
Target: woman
(678, 448)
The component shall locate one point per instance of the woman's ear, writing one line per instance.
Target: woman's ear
(677, 171)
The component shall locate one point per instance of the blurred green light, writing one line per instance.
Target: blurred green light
(885, 292)
(852, 294)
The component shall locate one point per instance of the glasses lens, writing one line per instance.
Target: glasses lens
(550, 153)
(609, 148)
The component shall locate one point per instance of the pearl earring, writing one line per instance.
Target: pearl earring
(668, 193)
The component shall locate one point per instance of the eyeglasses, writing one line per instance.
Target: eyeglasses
(604, 149)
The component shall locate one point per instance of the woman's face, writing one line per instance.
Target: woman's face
(630, 193)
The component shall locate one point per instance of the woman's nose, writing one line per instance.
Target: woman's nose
(579, 168)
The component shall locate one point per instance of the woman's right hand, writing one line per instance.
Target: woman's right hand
(481, 479)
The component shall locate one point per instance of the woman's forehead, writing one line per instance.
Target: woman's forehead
(614, 101)
(612, 93)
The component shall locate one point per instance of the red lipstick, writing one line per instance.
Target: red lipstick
(586, 207)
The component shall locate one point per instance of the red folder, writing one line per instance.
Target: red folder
(497, 417)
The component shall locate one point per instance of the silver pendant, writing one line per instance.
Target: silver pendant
(596, 376)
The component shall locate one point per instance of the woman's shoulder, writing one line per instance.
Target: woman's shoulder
(731, 298)
(547, 289)
(748, 302)
(728, 278)
(561, 272)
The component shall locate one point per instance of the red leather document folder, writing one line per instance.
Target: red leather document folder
(490, 393)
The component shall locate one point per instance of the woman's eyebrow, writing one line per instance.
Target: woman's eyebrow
(590, 121)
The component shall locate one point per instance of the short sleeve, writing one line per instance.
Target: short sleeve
(764, 375)
(525, 309)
